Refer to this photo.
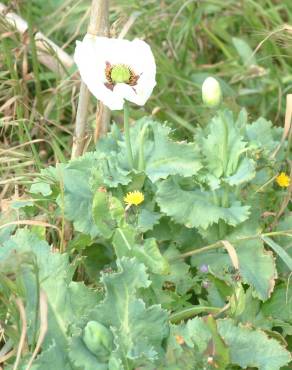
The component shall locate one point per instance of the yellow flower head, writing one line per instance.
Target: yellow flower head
(134, 198)
(283, 180)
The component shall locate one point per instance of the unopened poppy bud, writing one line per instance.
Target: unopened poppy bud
(211, 92)
(98, 339)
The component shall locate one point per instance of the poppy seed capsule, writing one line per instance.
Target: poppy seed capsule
(120, 74)
(211, 92)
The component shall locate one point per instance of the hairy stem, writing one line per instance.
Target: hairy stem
(225, 204)
(141, 160)
(127, 135)
(189, 312)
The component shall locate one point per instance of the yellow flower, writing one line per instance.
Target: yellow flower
(283, 180)
(134, 198)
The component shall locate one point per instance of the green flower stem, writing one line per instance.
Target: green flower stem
(191, 312)
(225, 145)
(127, 135)
(225, 204)
(215, 198)
(221, 229)
(225, 198)
(141, 160)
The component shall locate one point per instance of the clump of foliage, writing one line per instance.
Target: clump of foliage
(181, 261)
(188, 275)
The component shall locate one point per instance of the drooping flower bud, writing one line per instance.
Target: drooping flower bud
(98, 339)
(211, 92)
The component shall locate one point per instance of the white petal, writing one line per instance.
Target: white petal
(143, 62)
(91, 66)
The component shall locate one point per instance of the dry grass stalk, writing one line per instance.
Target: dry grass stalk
(23, 331)
(287, 124)
(98, 25)
(6, 357)
(49, 54)
(103, 115)
(43, 327)
(232, 253)
(32, 223)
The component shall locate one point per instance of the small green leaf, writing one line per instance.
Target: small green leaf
(237, 301)
(113, 172)
(107, 211)
(262, 135)
(78, 196)
(147, 219)
(222, 145)
(244, 50)
(195, 333)
(279, 306)
(101, 215)
(42, 188)
(124, 241)
(146, 252)
(82, 179)
(149, 254)
(245, 172)
(186, 346)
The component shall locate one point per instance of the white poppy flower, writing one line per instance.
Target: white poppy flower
(116, 69)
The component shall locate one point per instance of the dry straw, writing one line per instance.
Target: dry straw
(98, 26)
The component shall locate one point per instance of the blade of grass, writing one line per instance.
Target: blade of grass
(35, 63)
(279, 250)
(98, 25)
